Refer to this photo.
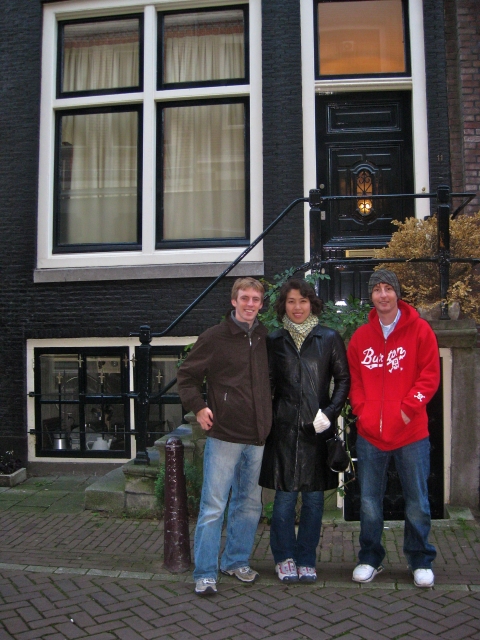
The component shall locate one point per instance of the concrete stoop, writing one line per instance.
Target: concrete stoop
(107, 493)
(130, 489)
(127, 490)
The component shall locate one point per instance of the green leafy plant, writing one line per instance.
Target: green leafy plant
(186, 350)
(345, 318)
(9, 464)
(268, 512)
(193, 479)
(272, 291)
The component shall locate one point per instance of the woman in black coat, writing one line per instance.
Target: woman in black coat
(304, 357)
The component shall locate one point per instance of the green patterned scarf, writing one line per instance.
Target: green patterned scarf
(299, 331)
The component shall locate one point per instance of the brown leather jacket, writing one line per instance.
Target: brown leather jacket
(238, 387)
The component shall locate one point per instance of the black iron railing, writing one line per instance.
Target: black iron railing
(316, 200)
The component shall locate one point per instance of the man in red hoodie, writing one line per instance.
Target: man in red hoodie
(395, 371)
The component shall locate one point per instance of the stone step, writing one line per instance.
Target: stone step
(107, 493)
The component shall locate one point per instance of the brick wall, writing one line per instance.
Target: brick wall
(115, 308)
(282, 132)
(462, 19)
(438, 126)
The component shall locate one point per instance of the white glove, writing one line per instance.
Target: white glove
(321, 422)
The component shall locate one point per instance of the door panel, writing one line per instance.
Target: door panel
(364, 148)
(394, 503)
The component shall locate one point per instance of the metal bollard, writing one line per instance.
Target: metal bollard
(177, 557)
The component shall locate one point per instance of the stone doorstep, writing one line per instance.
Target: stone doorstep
(458, 513)
(12, 479)
(131, 488)
(109, 494)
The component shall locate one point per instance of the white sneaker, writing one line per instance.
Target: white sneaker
(307, 574)
(206, 587)
(365, 572)
(287, 570)
(423, 578)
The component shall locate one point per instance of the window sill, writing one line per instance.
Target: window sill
(146, 272)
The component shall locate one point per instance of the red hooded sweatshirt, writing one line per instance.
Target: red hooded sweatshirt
(401, 373)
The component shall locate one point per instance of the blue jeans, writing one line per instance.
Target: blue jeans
(227, 465)
(413, 467)
(283, 542)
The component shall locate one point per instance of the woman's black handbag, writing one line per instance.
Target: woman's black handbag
(337, 459)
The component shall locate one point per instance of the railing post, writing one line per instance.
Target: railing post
(443, 222)
(143, 397)
(317, 215)
(176, 536)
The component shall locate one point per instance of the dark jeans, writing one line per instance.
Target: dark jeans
(283, 541)
(413, 467)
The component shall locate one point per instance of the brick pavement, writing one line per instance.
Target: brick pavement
(83, 575)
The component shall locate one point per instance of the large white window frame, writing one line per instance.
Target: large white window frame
(415, 83)
(147, 262)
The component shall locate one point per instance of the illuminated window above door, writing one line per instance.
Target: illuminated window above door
(361, 38)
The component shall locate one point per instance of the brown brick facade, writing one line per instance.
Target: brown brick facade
(462, 20)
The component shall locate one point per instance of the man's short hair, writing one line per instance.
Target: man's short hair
(246, 283)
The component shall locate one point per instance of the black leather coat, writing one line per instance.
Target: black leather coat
(295, 455)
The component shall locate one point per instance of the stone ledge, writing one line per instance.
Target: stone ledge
(12, 479)
(455, 333)
(458, 513)
(146, 272)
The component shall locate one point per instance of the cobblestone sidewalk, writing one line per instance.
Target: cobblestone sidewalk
(69, 573)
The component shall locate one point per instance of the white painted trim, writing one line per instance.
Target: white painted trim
(148, 272)
(447, 367)
(149, 133)
(419, 108)
(365, 84)
(308, 104)
(416, 83)
(94, 8)
(256, 127)
(130, 342)
(148, 98)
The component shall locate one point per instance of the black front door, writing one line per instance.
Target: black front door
(364, 148)
(394, 503)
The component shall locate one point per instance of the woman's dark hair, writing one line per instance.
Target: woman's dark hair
(306, 291)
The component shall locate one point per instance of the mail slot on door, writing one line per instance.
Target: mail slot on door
(360, 253)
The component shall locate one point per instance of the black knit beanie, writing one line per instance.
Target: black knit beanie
(383, 275)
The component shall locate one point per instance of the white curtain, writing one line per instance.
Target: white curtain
(99, 182)
(100, 67)
(204, 169)
(197, 58)
(204, 145)
(201, 46)
(98, 199)
(100, 55)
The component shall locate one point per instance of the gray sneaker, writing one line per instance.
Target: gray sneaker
(244, 574)
(206, 587)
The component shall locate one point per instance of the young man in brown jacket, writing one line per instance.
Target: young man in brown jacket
(232, 358)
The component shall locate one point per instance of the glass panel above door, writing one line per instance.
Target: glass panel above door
(363, 37)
